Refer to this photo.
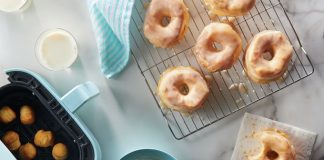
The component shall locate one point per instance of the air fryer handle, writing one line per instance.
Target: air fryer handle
(79, 95)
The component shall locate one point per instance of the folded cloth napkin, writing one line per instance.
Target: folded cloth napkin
(111, 20)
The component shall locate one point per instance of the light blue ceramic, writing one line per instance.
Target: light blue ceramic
(148, 154)
(71, 101)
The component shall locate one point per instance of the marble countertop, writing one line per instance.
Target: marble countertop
(123, 121)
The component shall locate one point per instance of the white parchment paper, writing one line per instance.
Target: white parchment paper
(246, 145)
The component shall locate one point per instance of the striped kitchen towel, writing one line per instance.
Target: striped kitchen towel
(111, 20)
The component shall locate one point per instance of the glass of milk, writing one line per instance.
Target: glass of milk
(14, 5)
(56, 49)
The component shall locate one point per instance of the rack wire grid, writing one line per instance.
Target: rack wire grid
(222, 102)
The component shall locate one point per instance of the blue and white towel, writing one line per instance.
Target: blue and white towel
(111, 20)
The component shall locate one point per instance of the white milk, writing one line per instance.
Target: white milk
(14, 5)
(56, 49)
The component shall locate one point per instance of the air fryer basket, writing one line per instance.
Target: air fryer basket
(50, 115)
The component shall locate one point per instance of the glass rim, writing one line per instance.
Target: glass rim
(20, 8)
(37, 45)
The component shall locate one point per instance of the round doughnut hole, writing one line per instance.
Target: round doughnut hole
(268, 55)
(165, 21)
(217, 46)
(183, 89)
(272, 155)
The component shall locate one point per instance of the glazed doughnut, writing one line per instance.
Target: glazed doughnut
(165, 36)
(183, 89)
(261, 70)
(214, 59)
(229, 7)
(275, 146)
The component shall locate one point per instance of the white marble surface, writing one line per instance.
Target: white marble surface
(125, 117)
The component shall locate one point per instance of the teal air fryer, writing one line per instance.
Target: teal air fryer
(53, 112)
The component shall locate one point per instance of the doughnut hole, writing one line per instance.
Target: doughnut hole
(272, 155)
(162, 17)
(214, 46)
(183, 88)
(165, 20)
(217, 46)
(268, 54)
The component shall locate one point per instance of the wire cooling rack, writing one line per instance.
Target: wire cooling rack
(223, 101)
